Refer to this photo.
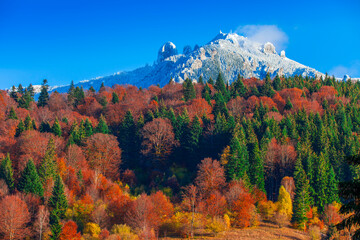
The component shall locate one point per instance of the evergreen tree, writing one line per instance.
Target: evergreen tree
(55, 225)
(129, 139)
(45, 127)
(205, 94)
(58, 199)
(102, 126)
(267, 89)
(220, 105)
(29, 181)
(189, 90)
(201, 80)
(321, 183)
(239, 156)
(56, 128)
(6, 172)
(277, 83)
(288, 105)
(14, 94)
(211, 81)
(115, 98)
(256, 161)
(20, 128)
(238, 88)
(88, 128)
(44, 95)
(332, 188)
(12, 114)
(28, 123)
(47, 168)
(302, 198)
(92, 89)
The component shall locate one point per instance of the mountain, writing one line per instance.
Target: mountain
(227, 53)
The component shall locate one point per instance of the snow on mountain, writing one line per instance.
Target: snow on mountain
(228, 53)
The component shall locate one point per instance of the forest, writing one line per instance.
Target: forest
(184, 160)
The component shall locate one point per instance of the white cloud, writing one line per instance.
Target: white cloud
(265, 33)
(353, 70)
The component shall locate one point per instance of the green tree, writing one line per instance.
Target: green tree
(188, 90)
(6, 172)
(12, 114)
(239, 156)
(58, 199)
(55, 224)
(88, 128)
(267, 89)
(256, 161)
(288, 105)
(44, 95)
(47, 168)
(20, 128)
(102, 126)
(115, 98)
(277, 83)
(56, 128)
(30, 181)
(302, 197)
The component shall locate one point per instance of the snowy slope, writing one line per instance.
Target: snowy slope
(229, 53)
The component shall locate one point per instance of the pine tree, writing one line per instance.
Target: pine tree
(332, 188)
(267, 89)
(6, 172)
(58, 199)
(88, 128)
(28, 123)
(20, 128)
(277, 83)
(55, 225)
(220, 105)
(56, 128)
(29, 181)
(321, 183)
(256, 161)
(189, 90)
(201, 80)
(128, 138)
(45, 127)
(205, 94)
(288, 105)
(12, 114)
(238, 88)
(239, 156)
(14, 94)
(47, 168)
(115, 98)
(302, 197)
(102, 126)
(44, 95)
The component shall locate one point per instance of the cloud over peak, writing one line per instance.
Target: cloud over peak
(264, 33)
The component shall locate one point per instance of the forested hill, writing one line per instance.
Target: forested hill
(178, 160)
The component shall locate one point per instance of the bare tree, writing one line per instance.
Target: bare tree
(42, 221)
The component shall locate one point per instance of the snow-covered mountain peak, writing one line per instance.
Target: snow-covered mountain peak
(166, 51)
(228, 53)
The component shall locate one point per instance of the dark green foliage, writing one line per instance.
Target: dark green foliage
(189, 90)
(56, 128)
(238, 88)
(28, 123)
(58, 199)
(115, 98)
(267, 89)
(350, 192)
(103, 102)
(44, 95)
(55, 225)
(288, 105)
(29, 181)
(102, 126)
(12, 114)
(6, 172)
(277, 83)
(302, 199)
(220, 105)
(88, 128)
(92, 89)
(20, 128)
(47, 168)
(210, 81)
(238, 163)
(201, 80)
(45, 127)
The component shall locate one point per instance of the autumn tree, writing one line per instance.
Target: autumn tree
(103, 154)
(158, 138)
(284, 206)
(69, 232)
(14, 217)
(210, 176)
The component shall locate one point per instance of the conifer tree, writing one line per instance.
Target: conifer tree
(55, 225)
(20, 128)
(58, 199)
(201, 80)
(45, 127)
(115, 98)
(302, 197)
(28, 123)
(220, 105)
(13, 94)
(267, 89)
(256, 161)
(189, 90)
(288, 105)
(210, 81)
(44, 95)
(56, 128)
(321, 183)
(205, 94)
(277, 83)
(102, 126)
(238, 88)
(239, 156)
(88, 128)
(12, 114)
(29, 181)
(6, 172)
(332, 188)
(47, 168)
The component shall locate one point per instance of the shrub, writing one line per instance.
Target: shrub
(216, 225)
(124, 232)
(314, 232)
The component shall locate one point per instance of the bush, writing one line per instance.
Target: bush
(216, 225)
(180, 224)
(124, 232)
(314, 232)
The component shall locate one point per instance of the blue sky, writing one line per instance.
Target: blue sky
(77, 39)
